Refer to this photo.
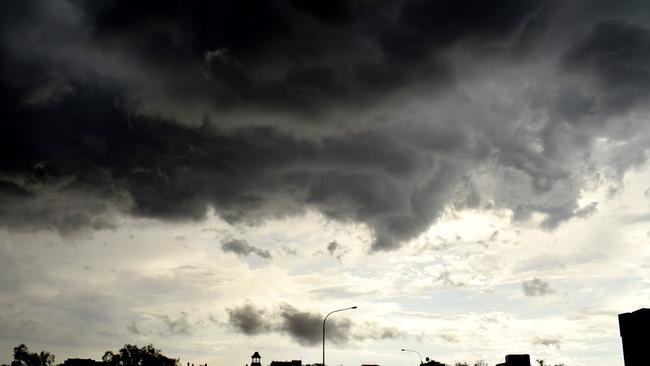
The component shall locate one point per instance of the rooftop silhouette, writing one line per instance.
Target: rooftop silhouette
(516, 360)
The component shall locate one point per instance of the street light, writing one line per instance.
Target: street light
(410, 350)
(330, 313)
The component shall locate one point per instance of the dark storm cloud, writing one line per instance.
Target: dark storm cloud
(299, 55)
(536, 287)
(365, 111)
(241, 247)
(164, 170)
(618, 54)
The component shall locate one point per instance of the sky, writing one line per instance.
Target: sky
(213, 177)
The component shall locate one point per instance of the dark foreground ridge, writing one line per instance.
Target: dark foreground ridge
(633, 326)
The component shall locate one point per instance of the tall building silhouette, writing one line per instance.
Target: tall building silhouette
(635, 335)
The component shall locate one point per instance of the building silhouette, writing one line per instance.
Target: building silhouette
(432, 363)
(516, 360)
(81, 362)
(256, 359)
(635, 333)
(287, 363)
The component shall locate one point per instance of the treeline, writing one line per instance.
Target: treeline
(129, 355)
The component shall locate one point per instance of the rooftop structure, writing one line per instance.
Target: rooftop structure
(516, 360)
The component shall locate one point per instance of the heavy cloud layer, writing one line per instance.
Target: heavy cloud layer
(380, 113)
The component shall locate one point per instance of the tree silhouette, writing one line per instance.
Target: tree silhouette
(22, 357)
(543, 363)
(132, 355)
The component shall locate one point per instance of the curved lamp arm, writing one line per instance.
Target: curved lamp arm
(324, 320)
(411, 350)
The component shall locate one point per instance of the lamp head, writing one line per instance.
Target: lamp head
(354, 307)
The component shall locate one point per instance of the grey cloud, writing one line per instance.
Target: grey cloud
(248, 319)
(132, 328)
(290, 251)
(389, 333)
(332, 246)
(213, 319)
(41, 202)
(586, 211)
(445, 278)
(536, 287)
(635, 218)
(179, 325)
(241, 247)
(548, 342)
(374, 331)
(449, 337)
(304, 327)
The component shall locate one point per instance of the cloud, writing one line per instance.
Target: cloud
(381, 120)
(132, 328)
(179, 325)
(248, 319)
(304, 327)
(618, 54)
(445, 278)
(241, 247)
(332, 246)
(449, 337)
(548, 342)
(536, 287)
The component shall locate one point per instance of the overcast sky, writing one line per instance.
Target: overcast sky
(213, 177)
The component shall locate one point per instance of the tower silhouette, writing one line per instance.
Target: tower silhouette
(256, 359)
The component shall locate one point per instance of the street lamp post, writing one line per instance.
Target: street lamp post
(410, 350)
(325, 319)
